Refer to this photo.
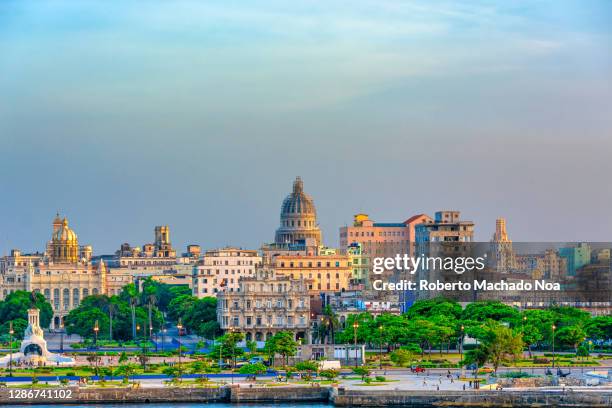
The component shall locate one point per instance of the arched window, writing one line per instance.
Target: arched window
(85, 292)
(95, 291)
(47, 294)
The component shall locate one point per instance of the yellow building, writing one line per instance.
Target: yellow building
(327, 273)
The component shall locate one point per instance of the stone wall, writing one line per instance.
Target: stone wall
(279, 394)
(121, 395)
(471, 398)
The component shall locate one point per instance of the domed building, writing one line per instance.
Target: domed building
(64, 245)
(298, 218)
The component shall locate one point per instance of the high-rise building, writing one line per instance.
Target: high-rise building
(577, 256)
(298, 218)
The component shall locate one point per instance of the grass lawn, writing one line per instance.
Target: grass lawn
(29, 386)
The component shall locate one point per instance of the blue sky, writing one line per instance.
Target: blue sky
(124, 115)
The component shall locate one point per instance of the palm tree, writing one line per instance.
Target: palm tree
(151, 300)
(133, 302)
(111, 308)
(331, 320)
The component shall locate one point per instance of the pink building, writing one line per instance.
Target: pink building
(381, 239)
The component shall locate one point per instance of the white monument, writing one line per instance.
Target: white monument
(34, 347)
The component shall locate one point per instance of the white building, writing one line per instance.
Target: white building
(220, 270)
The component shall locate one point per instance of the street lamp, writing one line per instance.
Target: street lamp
(179, 326)
(553, 344)
(523, 339)
(380, 332)
(62, 337)
(96, 329)
(355, 327)
(11, 332)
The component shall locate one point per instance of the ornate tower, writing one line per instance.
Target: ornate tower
(502, 254)
(64, 245)
(298, 218)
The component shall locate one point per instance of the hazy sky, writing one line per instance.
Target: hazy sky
(124, 115)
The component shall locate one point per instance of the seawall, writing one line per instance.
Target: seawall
(338, 397)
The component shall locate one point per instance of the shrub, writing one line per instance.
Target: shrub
(381, 378)
(329, 374)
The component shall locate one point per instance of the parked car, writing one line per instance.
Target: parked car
(417, 369)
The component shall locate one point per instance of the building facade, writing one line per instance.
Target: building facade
(64, 274)
(265, 304)
(325, 273)
(221, 269)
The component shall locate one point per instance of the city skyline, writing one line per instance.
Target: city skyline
(128, 115)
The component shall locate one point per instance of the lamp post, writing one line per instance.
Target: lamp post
(163, 338)
(380, 332)
(523, 339)
(11, 332)
(96, 329)
(355, 327)
(553, 344)
(179, 326)
(61, 337)
(233, 350)
(461, 336)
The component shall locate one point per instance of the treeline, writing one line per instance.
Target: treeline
(443, 323)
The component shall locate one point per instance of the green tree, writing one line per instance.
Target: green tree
(308, 366)
(253, 369)
(494, 310)
(361, 371)
(600, 328)
(283, 344)
(570, 336)
(401, 357)
(16, 304)
(19, 326)
(503, 345)
(226, 346)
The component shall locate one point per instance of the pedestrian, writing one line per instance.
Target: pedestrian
(463, 386)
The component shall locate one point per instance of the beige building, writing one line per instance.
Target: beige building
(64, 274)
(157, 260)
(265, 304)
(221, 269)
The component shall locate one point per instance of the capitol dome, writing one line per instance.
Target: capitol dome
(298, 218)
